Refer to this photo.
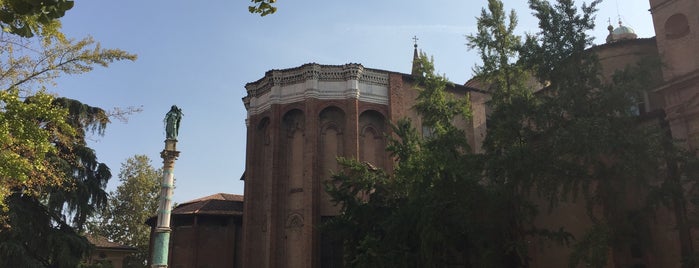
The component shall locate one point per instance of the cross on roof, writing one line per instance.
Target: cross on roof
(415, 41)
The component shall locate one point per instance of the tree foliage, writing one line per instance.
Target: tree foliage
(133, 202)
(263, 7)
(42, 219)
(592, 140)
(29, 17)
(37, 125)
(433, 210)
(579, 139)
(50, 180)
(559, 131)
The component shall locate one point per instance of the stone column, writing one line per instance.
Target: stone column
(162, 230)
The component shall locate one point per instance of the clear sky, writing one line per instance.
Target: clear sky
(200, 54)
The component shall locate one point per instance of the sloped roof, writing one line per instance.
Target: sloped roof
(476, 83)
(101, 242)
(216, 204)
(623, 42)
(218, 196)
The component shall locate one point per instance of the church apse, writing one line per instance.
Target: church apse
(299, 121)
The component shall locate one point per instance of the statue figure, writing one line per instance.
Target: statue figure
(172, 122)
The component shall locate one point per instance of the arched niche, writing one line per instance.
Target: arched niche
(263, 131)
(331, 145)
(263, 170)
(676, 26)
(372, 138)
(257, 183)
(261, 157)
(293, 123)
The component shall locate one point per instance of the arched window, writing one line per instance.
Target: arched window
(332, 122)
(293, 124)
(676, 26)
(372, 142)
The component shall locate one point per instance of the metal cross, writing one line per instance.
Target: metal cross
(415, 41)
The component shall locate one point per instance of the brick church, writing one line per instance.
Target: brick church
(301, 119)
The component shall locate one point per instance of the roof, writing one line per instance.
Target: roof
(270, 73)
(216, 204)
(481, 85)
(218, 196)
(477, 83)
(623, 42)
(620, 33)
(101, 242)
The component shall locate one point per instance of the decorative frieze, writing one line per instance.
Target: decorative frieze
(327, 82)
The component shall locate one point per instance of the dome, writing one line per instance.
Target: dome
(623, 30)
(620, 33)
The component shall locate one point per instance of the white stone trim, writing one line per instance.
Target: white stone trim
(314, 81)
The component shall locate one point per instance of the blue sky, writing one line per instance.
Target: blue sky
(200, 54)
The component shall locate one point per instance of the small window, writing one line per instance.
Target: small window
(676, 26)
(639, 106)
(427, 131)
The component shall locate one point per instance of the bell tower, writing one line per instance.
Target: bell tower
(677, 34)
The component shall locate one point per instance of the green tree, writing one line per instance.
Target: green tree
(35, 122)
(592, 142)
(263, 7)
(50, 180)
(577, 136)
(434, 209)
(558, 130)
(28, 17)
(586, 138)
(42, 220)
(510, 159)
(133, 202)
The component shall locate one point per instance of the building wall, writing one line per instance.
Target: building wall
(298, 124)
(677, 31)
(675, 92)
(112, 257)
(633, 53)
(299, 121)
(209, 241)
(676, 25)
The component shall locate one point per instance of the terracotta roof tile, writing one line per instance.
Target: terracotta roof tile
(216, 204)
(104, 243)
(218, 196)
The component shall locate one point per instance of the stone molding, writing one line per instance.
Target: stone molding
(324, 82)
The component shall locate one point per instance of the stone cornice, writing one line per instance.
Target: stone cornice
(679, 82)
(317, 81)
(659, 6)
